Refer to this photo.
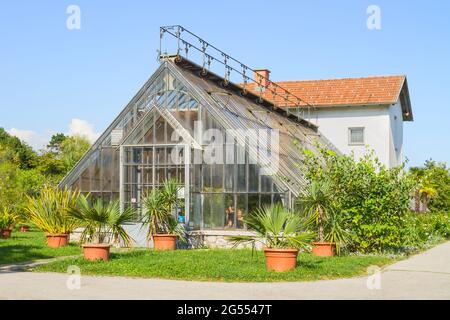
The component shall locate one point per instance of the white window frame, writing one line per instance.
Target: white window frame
(350, 143)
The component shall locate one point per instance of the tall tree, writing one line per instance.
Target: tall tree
(55, 142)
(72, 149)
(17, 151)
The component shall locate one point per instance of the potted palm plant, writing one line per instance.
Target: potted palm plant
(7, 220)
(49, 212)
(159, 216)
(103, 224)
(282, 232)
(331, 234)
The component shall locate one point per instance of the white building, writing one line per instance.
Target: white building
(357, 114)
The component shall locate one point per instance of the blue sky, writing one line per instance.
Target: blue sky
(58, 80)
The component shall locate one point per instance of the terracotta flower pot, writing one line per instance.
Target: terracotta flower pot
(323, 249)
(280, 260)
(5, 233)
(57, 240)
(165, 242)
(24, 228)
(94, 251)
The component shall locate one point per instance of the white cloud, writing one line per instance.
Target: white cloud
(39, 140)
(34, 139)
(82, 128)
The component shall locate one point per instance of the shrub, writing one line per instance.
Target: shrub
(373, 198)
(421, 230)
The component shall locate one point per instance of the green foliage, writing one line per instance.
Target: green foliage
(331, 223)
(102, 222)
(55, 142)
(16, 152)
(373, 199)
(423, 230)
(7, 218)
(49, 211)
(278, 227)
(24, 172)
(159, 215)
(433, 185)
(72, 149)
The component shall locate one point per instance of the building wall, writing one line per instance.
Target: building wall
(396, 135)
(383, 130)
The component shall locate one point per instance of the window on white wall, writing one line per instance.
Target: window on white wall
(356, 136)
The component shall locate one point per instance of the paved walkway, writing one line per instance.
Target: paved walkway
(424, 276)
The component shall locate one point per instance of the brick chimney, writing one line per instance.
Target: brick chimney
(265, 76)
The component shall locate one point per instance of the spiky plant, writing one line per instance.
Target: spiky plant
(7, 218)
(102, 222)
(49, 210)
(277, 227)
(318, 202)
(158, 216)
(335, 230)
(330, 223)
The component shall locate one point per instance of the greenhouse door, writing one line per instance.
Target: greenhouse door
(145, 167)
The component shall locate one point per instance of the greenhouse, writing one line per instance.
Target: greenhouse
(230, 150)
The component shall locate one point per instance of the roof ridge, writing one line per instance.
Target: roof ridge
(347, 78)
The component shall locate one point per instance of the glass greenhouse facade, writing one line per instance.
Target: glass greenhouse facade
(230, 153)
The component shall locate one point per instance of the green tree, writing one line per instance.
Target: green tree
(16, 151)
(72, 149)
(55, 142)
(433, 185)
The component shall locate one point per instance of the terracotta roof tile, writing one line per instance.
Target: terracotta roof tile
(336, 92)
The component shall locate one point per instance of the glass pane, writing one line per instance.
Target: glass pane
(241, 210)
(160, 130)
(266, 200)
(229, 177)
(149, 135)
(356, 135)
(171, 172)
(107, 168)
(253, 202)
(217, 177)
(160, 175)
(213, 211)
(137, 155)
(95, 185)
(278, 198)
(147, 175)
(197, 176)
(266, 184)
(241, 177)
(230, 211)
(195, 219)
(207, 185)
(148, 156)
(160, 155)
(86, 180)
(253, 178)
(115, 180)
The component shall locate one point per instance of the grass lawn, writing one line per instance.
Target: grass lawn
(217, 265)
(30, 246)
